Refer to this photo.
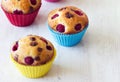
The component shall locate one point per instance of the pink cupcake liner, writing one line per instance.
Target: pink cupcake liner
(52, 0)
(21, 20)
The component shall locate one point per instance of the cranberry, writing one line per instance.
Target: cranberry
(54, 16)
(32, 38)
(31, 9)
(37, 58)
(78, 12)
(68, 15)
(39, 49)
(44, 40)
(29, 60)
(62, 8)
(60, 28)
(33, 2)
(16, 57)
(78, 27)
(33, 43)
(15, 47)
(49, 47)
(19, 12)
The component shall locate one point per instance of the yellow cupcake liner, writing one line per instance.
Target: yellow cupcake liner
(34, 71)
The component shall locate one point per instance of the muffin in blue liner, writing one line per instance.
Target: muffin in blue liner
(67, 25)
(68, 40)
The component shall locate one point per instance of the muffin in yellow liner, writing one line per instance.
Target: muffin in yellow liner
(37, 68)
(34, 71)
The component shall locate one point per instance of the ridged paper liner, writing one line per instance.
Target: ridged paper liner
(34, 71)
(68, 39)
(21, 20)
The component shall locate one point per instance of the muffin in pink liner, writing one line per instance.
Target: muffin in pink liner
(52, 0)
(21, 12)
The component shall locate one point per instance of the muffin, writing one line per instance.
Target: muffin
(33, 55)
(52, 0)
(21, 12)
(68, 25)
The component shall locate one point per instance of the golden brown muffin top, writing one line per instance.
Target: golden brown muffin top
(67, 20)
(20, 6)
(32, 50)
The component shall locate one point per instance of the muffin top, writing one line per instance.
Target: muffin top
(20, 6)
(67, 20)
(32, 50)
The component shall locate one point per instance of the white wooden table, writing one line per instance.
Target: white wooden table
(95, 59)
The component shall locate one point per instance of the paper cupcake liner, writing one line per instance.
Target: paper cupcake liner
(52, 0)
(34, 71)
(68, 40)
(21, 20)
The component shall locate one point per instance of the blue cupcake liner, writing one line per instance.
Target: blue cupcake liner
(68, 40)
